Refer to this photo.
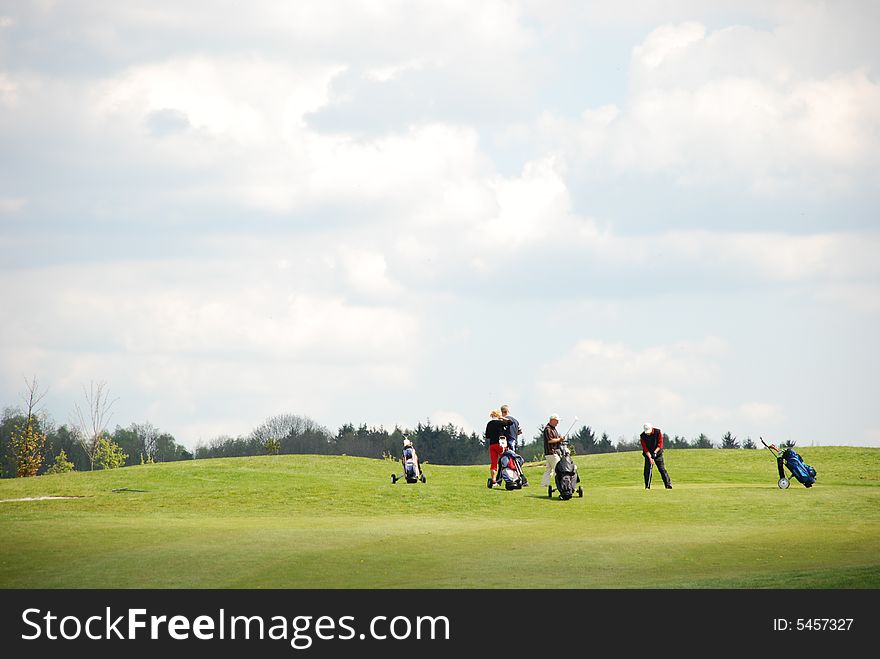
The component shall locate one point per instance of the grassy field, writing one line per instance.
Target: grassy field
(338, 522)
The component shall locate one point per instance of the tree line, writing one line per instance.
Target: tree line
(61, 449)
(586, 441)
(293, 434)
(31, 444)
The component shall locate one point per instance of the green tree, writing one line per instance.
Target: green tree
(27, 447)
(108, 454)
(749, 443)
(132, 444)
(703, 442)
(446, 444)
(584, 440)
(61, 465)
(634, 444)
(364, 442)
(604, 445)
(168, 450)
(28, 442)
(65, 439)
(145, 444)
(729, 441)
(678, 442)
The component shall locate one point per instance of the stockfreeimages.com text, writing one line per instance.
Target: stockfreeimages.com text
(301, 631)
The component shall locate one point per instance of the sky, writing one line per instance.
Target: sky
(398, 212)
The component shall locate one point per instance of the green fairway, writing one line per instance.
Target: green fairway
(338, 522)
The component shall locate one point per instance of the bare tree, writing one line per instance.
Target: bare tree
(278, 427)
(32, 398)
(278, 433)
(92, 424)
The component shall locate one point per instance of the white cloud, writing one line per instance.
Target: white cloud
(445, 417)
(773, 257)
(667, 42)
(757, 413)
(386, 73)
(8, 90)
(862, 299)
(211, 311)
(620, 385)
(415, 170)
(367, 271)
(329, 260)
(728, 108)
(182, 347)
(12, 205)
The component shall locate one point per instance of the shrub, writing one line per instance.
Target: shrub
(108, 454)
(61, 465)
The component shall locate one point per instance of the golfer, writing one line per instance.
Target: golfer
(513, 430)
(652, 449)
(552, 440)
(495, 430)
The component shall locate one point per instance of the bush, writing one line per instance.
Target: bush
(109, 454)
(61, 465)
(27, 445)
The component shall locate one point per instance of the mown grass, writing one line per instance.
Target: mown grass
(338, 522)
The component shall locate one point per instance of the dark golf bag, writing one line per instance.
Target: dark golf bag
(510, 470)
(803, 472)
(566, 476)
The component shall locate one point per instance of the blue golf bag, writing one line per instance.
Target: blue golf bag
(803, 472)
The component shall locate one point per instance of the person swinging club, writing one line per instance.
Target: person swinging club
(652, 449)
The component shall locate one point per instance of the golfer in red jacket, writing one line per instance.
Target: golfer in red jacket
(652, 448)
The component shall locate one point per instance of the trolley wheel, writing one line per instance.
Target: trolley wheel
(550, 491)
(581, 492)
(783, 483)
(424, 479)
(393, 478)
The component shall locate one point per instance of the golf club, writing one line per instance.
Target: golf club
(768, 447)
(571, 426)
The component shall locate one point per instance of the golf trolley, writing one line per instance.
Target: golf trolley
(801, 471)
(408, 478)
(510, 470)
(411, 472)
(566, 476)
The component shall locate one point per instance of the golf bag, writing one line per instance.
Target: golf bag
(510, 470)
(800, 470)
(566, 476)
(803, 472)
(410, 472)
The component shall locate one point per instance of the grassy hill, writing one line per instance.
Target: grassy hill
(338, 522)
